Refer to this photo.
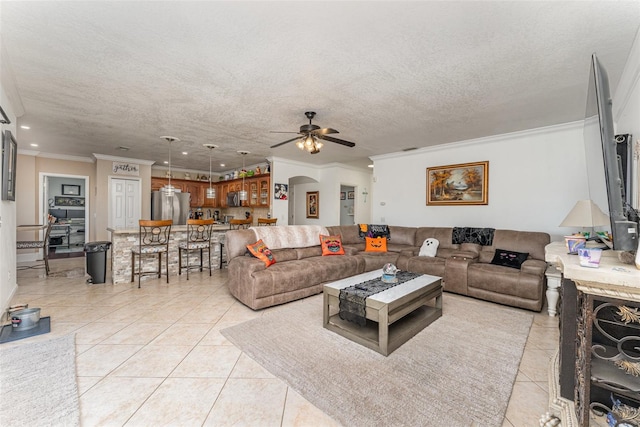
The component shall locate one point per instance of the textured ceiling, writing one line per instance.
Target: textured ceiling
(93, 76)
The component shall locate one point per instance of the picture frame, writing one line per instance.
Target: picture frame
(9, 159)
(280, 191)
(458, 184)
(350, 195)
(313, 204)
(70, 190)
(343, 195)
(69, 201)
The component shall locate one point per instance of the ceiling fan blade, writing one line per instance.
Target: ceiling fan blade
(338, 141)
(324, 131)
(282, 143)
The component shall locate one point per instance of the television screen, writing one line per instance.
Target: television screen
(604, 169)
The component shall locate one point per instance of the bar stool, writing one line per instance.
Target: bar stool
(237, 224)
(198, 238)
(267, 221)
(38, 244)
(153, 239)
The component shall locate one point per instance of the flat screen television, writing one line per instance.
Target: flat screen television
(604, 168)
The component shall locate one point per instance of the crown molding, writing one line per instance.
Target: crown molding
(122, 159)
(55, 156)
(578, 124)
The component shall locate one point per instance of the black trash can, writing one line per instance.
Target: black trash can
(96, 254)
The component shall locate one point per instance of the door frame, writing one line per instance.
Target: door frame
(43, 205)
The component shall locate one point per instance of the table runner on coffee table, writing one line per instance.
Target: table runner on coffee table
(353, 298)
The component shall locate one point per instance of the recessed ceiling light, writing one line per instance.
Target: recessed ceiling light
(25, 127)
(166, 162)
(185, 153)
(370, 166)
(33, 145)
(123, 148)
(222, 165)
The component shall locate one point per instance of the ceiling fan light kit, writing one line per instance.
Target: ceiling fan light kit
(312, 136)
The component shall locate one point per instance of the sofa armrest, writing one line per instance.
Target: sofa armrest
(534, 266)
(247, 265)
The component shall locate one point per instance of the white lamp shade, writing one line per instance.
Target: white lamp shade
(585, 214)
(211, 193)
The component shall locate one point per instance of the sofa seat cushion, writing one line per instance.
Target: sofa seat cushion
(424, 265)
(377, 260)
(286, 277)
(504, 280)
(338, 267)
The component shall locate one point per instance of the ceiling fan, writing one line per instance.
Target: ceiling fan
(312, 136)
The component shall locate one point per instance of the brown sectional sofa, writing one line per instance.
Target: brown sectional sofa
(466, 268)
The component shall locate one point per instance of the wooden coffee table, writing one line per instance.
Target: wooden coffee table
(397, 314)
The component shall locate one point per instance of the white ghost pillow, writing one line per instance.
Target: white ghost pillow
(429, 248)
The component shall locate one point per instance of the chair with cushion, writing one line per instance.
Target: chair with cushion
(39, 244)
(153, 239)
(267, 221)
(198, 239)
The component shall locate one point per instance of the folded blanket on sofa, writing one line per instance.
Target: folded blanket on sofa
(290, 236)
(374, 230)
(480, 236)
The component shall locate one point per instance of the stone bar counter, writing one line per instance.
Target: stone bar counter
(123, 239)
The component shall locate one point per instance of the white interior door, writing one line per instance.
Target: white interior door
(125, 203)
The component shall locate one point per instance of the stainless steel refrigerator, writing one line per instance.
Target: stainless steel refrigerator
(175, 207)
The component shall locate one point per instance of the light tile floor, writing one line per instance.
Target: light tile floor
(155, 356)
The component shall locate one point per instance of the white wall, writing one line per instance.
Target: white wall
(328, 179)
(535, 178)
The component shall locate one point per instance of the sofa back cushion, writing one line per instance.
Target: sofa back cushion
(349, 233)
(402, 235)
(531, 242)
(290, 236)
(441, 234)
(236, 242)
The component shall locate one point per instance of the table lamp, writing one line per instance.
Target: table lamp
(585, 213)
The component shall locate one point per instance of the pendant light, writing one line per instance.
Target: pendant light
(211, 191)
(168, 189)
(242, 194)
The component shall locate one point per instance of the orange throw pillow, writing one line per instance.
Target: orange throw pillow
(375, 244)
(262, 252)
(331, 245)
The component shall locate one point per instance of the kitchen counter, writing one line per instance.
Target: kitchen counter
(123, 239)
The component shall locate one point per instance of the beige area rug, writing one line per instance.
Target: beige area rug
(38, 384)
(458, 371)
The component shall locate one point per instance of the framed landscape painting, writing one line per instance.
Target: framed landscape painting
(461, 184)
